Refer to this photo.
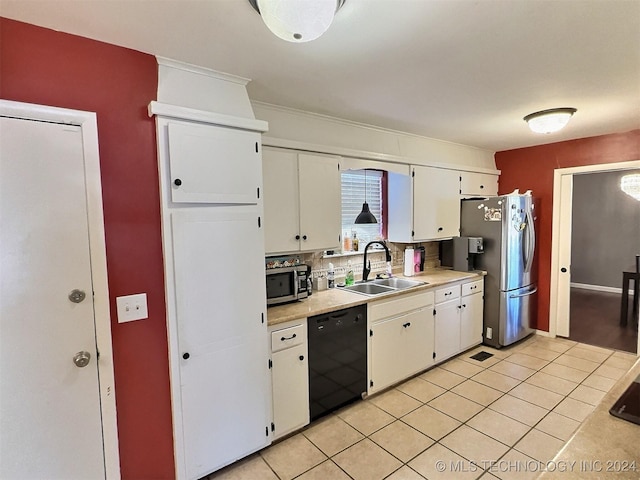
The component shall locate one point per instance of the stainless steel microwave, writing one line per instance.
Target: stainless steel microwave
(287, 284)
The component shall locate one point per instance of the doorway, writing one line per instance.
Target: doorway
(58, 402)
(587, 293)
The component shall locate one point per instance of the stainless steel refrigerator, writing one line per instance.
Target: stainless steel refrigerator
(506, 223)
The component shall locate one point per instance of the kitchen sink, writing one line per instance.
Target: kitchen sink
(369, 288)
(382, 285)
(397, 283)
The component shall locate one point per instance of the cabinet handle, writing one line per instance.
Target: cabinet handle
(301, 357)
(447, 294)
(481, 186)
(186, 355)
(440, 229)
(408, 324)
(460, 306)
(304, 237)
(288, 338)
(177, 182)
(464, 305)
(297, 237)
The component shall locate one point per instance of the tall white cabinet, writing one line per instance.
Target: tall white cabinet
(302, 201)
(213, 239)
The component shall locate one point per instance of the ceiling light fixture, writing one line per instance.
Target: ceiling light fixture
(630, 184)
(549, 121)
(297, 20)
(365, 216)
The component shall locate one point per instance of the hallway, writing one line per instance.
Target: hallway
(595, 320)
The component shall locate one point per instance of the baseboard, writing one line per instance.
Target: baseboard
(542, 333)
(599, 288)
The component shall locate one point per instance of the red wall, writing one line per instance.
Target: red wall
(51, 68)
(532, 169)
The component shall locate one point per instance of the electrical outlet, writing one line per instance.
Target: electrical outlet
(489, 334)
(132, 307)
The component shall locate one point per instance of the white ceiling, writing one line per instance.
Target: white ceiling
(465, 71)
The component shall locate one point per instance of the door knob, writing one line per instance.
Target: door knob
(81, 359)
(77, 296)
(563, 270)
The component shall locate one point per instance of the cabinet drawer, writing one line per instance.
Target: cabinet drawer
(399, 305)
(472, 287)
(287, 337)
(447, 293)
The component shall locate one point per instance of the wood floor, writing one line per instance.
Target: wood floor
(595, 320)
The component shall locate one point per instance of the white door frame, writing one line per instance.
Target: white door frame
(561, 239)
(87, 122)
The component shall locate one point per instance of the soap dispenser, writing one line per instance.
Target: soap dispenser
(349, 277)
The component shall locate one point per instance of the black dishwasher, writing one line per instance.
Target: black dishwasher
(337, 359)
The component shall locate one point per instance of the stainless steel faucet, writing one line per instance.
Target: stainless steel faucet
(367, 269)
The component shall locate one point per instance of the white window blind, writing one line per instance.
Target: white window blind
(353, 196)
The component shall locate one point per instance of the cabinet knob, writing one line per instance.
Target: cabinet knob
(440, 229)
(177, 182)
(304, 237)
(297, 237)
(481, 186)
(186, 355)
(406, 325)
(301, 357)
(563, 270)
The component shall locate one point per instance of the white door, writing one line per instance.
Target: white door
(320, 202)
(225, 386)
(50, 419)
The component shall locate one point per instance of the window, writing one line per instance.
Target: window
(353, 196)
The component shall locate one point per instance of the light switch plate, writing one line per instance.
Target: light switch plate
(132, 307)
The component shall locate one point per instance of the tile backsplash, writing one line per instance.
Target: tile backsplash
(319, 261)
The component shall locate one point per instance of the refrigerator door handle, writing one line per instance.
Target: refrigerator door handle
(531, 242)
(525, 294)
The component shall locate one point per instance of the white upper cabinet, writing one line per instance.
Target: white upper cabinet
(213, 164)
(425, 206)
(478, 184)
(302, 203)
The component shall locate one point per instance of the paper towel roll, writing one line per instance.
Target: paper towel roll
(408, 262)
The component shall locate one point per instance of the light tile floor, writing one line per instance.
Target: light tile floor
(519, 406)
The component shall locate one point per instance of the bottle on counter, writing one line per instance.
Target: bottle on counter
(355, 243)
(331, 283)
(348, 280)
(346, 247)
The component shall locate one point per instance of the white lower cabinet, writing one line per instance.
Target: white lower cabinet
(471, 314)
(400, 343)
(289, 377)
(458, 318)
(447, 329)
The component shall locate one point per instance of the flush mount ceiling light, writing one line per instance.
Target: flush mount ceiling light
(630, 184)
(549, 121)
(297, 20)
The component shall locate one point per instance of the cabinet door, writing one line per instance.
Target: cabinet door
(400, 347)
(224, 377)
(281, 201)
(387, 356)
(419, 340)
(471, 320)
(482, 184)
(436, 203)
(320, 202)
(447, 330)
(290, 379)
(210, 164)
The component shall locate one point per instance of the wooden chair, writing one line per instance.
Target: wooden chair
(626, 279)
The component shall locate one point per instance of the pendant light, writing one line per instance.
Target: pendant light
(549, 121)
(297, 21)
(365, 216)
